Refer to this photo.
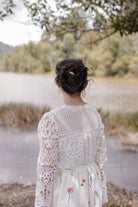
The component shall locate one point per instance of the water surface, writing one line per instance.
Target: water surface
(19, 151)
(114, 94)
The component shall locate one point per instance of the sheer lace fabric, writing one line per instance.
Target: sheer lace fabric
(71, 158)
(46, 163)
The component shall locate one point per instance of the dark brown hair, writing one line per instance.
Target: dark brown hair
(71, 75)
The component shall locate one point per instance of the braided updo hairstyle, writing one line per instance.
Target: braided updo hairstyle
(71, 75)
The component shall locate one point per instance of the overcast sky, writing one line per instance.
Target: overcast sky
(18, 29)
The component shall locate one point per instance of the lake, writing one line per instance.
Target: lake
(113, 94)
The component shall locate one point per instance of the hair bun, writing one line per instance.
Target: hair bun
(72, 75)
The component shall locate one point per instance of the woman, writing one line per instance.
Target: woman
(72, 146)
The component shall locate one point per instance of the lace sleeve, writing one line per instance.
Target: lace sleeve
(101, 160)
(46, 162)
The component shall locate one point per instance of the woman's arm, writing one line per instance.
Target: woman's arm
(46, 162)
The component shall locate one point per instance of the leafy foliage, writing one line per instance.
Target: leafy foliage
(101, 17)
(31, 58)
(114, 56)
(6, 8)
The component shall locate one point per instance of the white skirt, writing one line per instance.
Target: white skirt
(78, 187)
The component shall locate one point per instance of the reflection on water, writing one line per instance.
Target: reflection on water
(108, 93)
(19, 151)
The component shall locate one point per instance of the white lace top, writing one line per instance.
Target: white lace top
(71, 158)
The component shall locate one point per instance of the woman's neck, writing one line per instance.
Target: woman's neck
(73, 99)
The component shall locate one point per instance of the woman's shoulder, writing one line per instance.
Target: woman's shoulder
(48, 116)
(98, 114)
(49, 113)
(46, 122)
(65, 107)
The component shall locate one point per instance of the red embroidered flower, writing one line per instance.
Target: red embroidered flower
(83, 180)
(97, 173)
(70, 190)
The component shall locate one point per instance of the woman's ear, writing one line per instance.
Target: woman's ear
(57, 84)
(85, 85)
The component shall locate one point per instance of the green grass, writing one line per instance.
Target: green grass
(27, 116)
(116, 205)
(112, 205)
(21, 115)
(120, 122)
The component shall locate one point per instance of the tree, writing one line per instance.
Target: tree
(100, 17)
(69, 43)
(111, 57)
(30, 58)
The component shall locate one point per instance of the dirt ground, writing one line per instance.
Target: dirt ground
(19, 195)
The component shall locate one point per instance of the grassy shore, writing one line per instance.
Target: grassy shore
(121, 124)
(25, 116)
(20, 195)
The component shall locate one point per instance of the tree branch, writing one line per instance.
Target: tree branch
(101, 38)
(84, 30)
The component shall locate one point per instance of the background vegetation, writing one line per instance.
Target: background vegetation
(26, 116)
(114, 56)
